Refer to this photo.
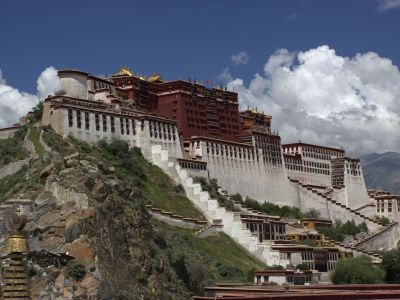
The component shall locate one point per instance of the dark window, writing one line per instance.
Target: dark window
(104, 123)
(87, 121)
(70, 118)
(112, 121)
(121, 122)
(127, 126)
(97, 121)
(78, 119)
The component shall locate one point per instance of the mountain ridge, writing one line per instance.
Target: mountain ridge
(382, 171)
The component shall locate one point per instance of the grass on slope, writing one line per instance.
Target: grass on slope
(228, 261)
(12, 149)
(34, 138)
(158, 189)
(56, 142)
(26, 181)
(218, 257)
(165, 195)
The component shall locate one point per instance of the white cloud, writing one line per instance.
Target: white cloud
(15, 104)
(388, 4)
(47, 82)
(242, 58)
(321, 97)
(225, 76)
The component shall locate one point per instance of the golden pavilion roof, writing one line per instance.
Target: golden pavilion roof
(123, 71)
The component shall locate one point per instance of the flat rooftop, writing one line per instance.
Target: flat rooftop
(312, 292)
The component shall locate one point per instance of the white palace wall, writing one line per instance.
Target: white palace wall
(244, 174)
(356, 191)
(142, 133)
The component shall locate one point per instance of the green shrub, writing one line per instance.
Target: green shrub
(273, 209)
(340, 230)
(56, 142)
(358, 270)
(227, 271)
(302, 267)
(75, 270)
(12, 149)
(237, 197)
(391, 265)
(384, 220)
(179, 189)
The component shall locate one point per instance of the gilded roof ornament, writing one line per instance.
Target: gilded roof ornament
(155, 78)
(124, 71)
(16, 241)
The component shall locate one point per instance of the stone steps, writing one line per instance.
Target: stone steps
(230, 221)
(369, 221)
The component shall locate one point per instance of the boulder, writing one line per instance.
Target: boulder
(71, 160)
(47, 171)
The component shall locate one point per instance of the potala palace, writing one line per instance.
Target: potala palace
(190, 130)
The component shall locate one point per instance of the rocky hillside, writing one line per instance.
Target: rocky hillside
(91, 236)
(382, 171)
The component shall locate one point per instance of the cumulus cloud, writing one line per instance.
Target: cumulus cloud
(242, 58)
(15, 103)
(47, 82)
(225, 76)
(320, 97)
(388, 4)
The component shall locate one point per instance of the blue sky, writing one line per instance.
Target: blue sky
(183, 38)
(327, 71)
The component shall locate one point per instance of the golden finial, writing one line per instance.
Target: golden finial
(17, 242)
(14, 272)
(124, 71)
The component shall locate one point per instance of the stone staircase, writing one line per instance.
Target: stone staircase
(336, 209)
(231, 222)
(360, 244)
(174, 219)
(377, 229)
(375, 257)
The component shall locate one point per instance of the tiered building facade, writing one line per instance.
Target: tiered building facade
(189, 130)
(203, 128)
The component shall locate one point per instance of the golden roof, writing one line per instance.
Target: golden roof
(124, 71)
(154, 78)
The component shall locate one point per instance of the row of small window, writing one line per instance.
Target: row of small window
(126, 125)
(229, 151)
(290, 279)
(309, 150)
(265, 227)
(100, 85)
(354, 172)
(380, 206)
(262, 141)
(315, 164)
(272, 154)
(78, 119)
(162, 131)
(193, 166)
(353, 166)
(317, 171)
(293, 167)
(292, 161)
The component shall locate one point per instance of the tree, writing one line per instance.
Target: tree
(358, 270)
(75, 270)
(391, 265)
(302, 267)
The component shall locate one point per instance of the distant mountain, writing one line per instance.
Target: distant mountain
(382, 171)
